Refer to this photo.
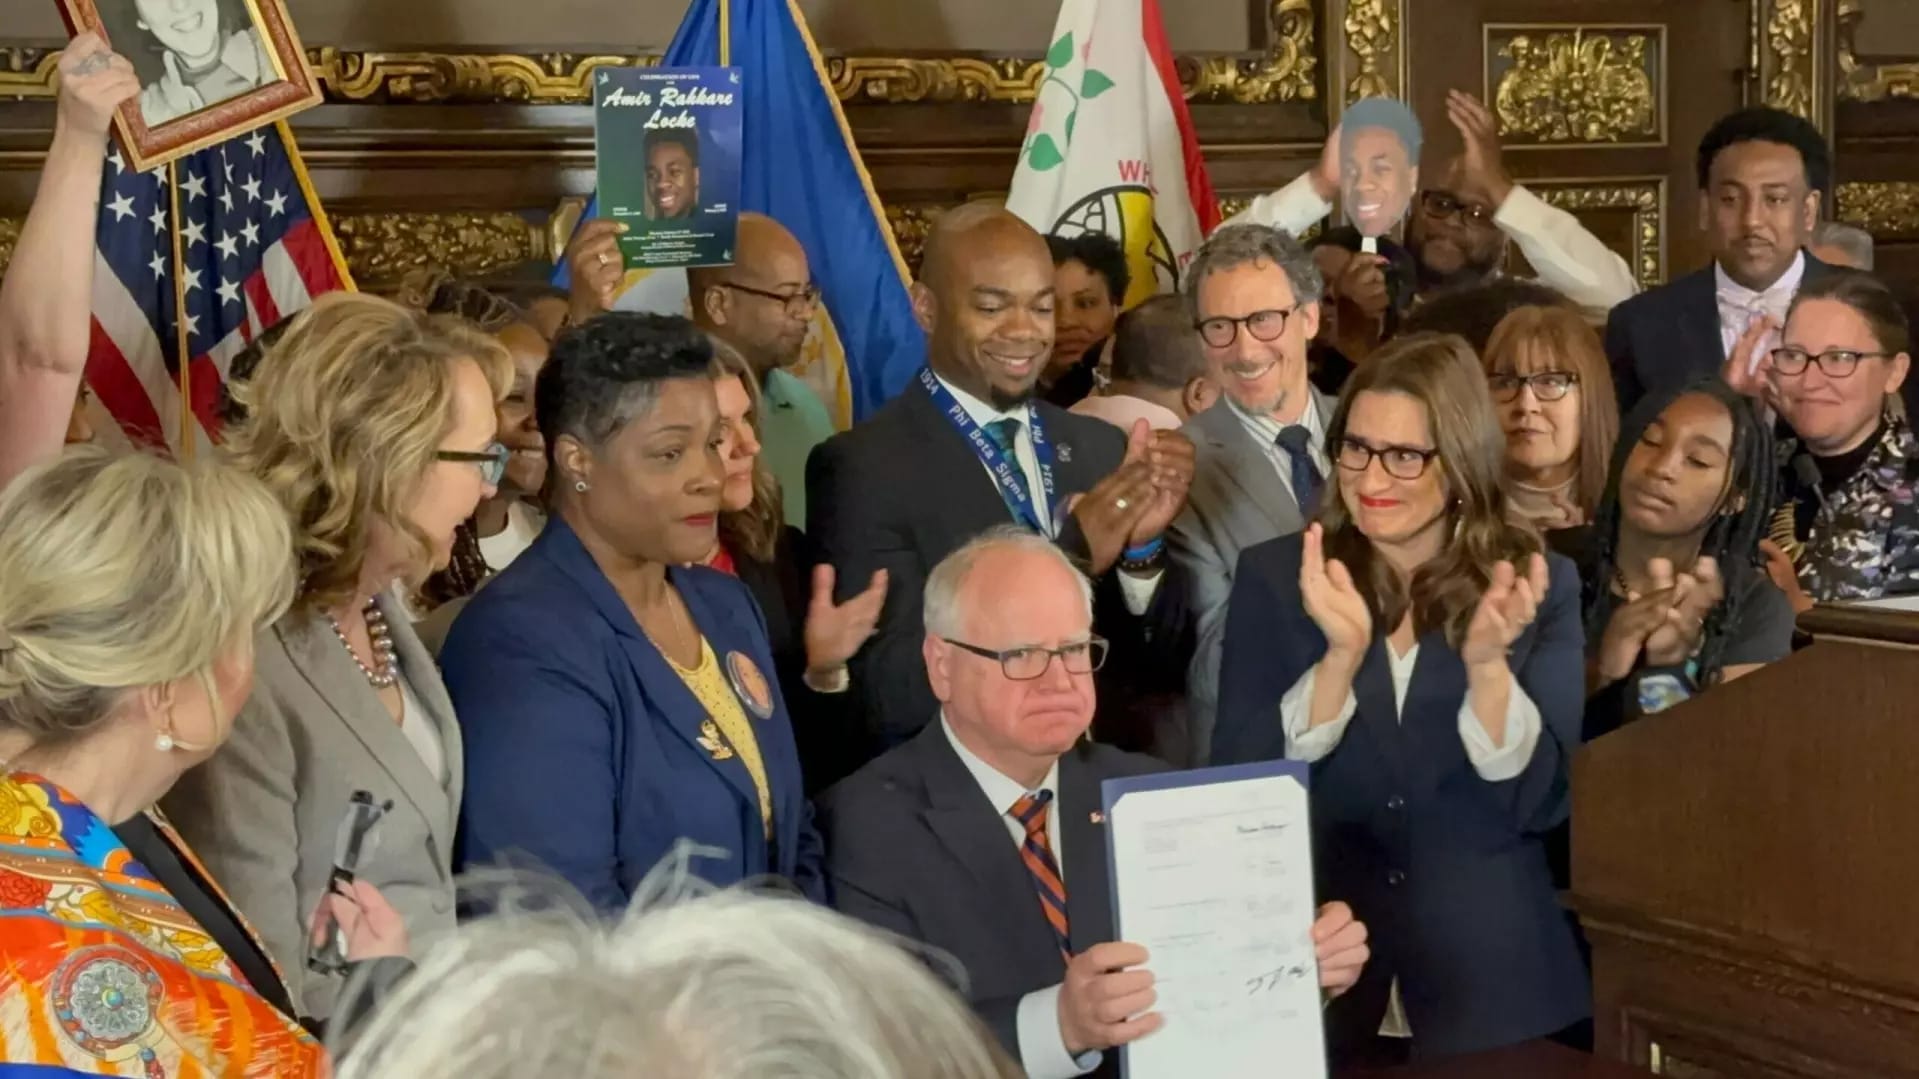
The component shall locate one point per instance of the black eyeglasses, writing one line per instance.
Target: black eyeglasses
(798, 304)
(1835, 362)
(1439, 204)
(1546, 385)
(1400, 462)
(1222, 331)
(1026, 664)
(492, 461)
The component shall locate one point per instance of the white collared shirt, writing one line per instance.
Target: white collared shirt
(1137, 591)
(1739, 305)
(1042, 1048)
(1265, 431)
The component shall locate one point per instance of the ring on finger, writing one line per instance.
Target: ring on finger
(1120, 504)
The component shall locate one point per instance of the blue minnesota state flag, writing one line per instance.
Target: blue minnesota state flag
(799, 166)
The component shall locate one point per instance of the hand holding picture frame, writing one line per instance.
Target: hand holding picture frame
(209, 70)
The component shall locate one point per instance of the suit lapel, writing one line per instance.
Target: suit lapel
(1089, 907)
(1378, 717)
(310, 642)
(969, 827)
(431, 694)
(1700, 321)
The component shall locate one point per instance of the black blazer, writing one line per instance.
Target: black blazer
(916, 849)
(903, 490)
(1669, 336)
(826, 727)
(1447, 870)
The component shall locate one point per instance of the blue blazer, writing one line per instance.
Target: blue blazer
(584, 746)
(1447, 870)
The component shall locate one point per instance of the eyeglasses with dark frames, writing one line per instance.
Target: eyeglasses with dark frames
(1835, 362)
(1027, 664)
(1442, 205)
(798, 304)
(1221, 331)
(1400, 462)
(1546, 385)
(492, 461)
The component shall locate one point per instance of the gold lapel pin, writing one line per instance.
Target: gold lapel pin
(711, 741)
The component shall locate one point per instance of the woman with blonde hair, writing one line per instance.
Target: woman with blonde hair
(1418, 648)
(374, 427)
(1552, 384)
(812, 638)
(131, 590)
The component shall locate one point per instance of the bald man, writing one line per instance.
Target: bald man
(967, 447)
(762, 306)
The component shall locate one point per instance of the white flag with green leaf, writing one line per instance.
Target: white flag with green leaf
(1110, 147)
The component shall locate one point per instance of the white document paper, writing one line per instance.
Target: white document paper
(1215, 881)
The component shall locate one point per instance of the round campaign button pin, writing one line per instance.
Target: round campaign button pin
(750, 684)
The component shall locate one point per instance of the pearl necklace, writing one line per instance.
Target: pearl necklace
(388, 674)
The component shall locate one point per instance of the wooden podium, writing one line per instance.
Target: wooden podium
(1746, 866)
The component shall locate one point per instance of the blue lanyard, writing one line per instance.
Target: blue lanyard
(1012, 482)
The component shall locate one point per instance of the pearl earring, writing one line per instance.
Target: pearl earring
(580, 486)
(164, 742)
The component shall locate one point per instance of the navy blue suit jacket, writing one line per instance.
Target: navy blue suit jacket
(583, 745)
(1447, 870)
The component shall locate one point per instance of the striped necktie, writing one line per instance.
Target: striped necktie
(1037, 853)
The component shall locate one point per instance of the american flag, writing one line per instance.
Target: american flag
(255, 250)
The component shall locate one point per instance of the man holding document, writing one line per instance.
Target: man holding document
(982, 837)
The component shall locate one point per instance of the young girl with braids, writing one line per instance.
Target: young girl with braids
(1675, 597)
(507, 523)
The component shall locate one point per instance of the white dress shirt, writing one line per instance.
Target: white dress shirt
(1495, 763)
(1563, 252)
(1739, 305)
(523, 525)
(1042, 1048)
(1137, 591)
(1265, 431)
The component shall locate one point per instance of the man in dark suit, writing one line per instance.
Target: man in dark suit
(967, 447)
(1761, 174)
(978, 837)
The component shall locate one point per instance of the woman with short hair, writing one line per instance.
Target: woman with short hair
(374, 427)
(1423, 652)
(616, 695)
(131, 591)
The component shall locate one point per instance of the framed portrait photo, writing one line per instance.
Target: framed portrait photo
(209, 70)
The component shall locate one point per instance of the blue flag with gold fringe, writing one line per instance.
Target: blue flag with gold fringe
(799, 166)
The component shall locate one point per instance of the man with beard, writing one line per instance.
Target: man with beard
(763, 305)
(1254, 295)
(967, 447)
(672, 173)
(1761, 177)
(1459, 229)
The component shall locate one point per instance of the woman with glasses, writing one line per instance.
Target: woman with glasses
(1553, 390)
(1421, 650)
(374, 427)
(1848, 525)
(1675, 601)
(616, 695)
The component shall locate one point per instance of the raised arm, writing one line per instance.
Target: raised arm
(46, 297)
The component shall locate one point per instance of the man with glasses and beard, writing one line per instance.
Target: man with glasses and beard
(967, 447)
(1253, 294)
(1460, 228)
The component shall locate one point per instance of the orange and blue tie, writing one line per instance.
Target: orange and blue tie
(1037, 853)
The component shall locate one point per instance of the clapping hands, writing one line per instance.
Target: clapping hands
(1332, 600)
(1665, 624)
(1506, 608)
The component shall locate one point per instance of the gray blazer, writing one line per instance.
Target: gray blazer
(264, 811)
(1237, 500)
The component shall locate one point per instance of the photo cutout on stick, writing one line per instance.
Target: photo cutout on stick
(190, 55)
(1379, 144)
(672, 173)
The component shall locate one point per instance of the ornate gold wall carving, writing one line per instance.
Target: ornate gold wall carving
(1645, 198)
(382, 247)
(1373, 38)
(1887, 210)
(1285, 69)
(1861, 81)
(911, 226)
(1788, 64)
(1554, 85)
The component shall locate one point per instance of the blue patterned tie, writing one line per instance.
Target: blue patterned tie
(1297, 441)
(1004, 434)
